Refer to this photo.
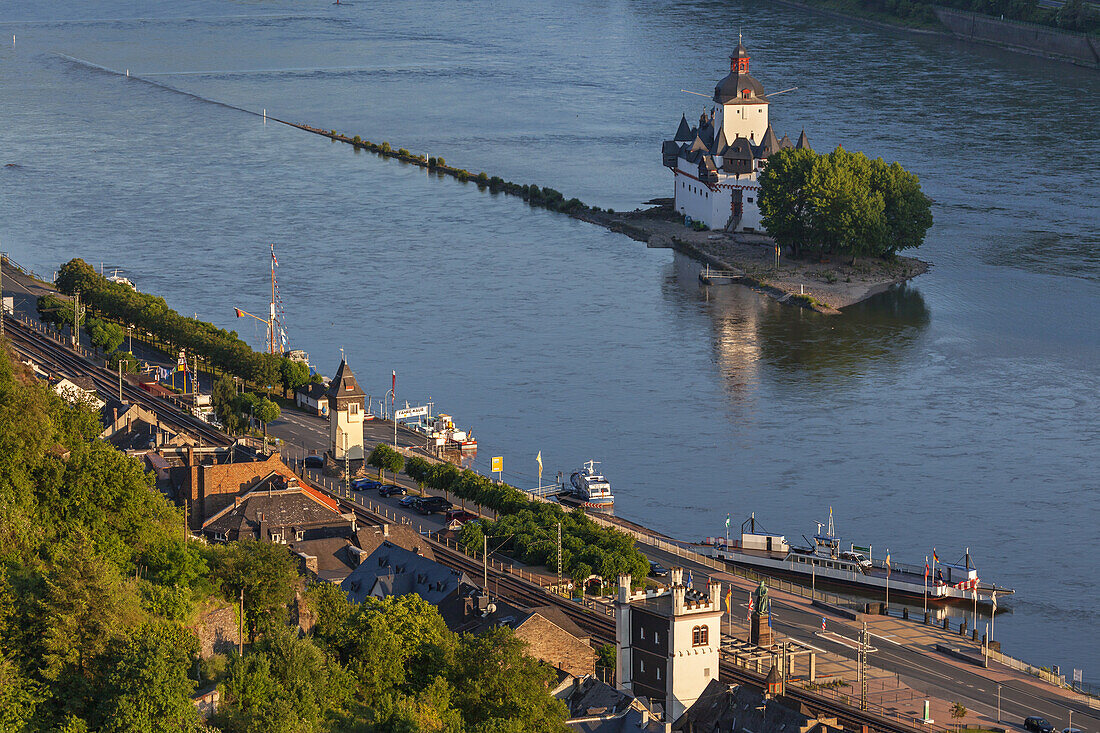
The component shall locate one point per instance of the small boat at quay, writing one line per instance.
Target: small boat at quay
(824, 563)
(590, 489)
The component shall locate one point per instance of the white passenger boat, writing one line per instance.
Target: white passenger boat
(824, 564)
(590, 489)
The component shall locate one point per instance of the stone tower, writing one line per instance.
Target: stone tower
(667, 641)
(345, 416)
(744, 104)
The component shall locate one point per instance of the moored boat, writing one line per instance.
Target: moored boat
(823, 563)
(589, 489)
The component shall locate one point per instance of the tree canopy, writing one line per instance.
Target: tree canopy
(98, 582)
(842, 203)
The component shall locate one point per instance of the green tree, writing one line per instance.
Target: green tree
(147, 687)
(283, 685)
(385, 458)
(223, 398)
(907, 211)
(105, 335)
(266, 572)
(496, 685)
(292, 375)
(266, 412)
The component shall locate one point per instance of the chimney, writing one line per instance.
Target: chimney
(385, 530)
(624, 589)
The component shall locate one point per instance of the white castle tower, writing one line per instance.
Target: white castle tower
(716, 163)
(345, 416)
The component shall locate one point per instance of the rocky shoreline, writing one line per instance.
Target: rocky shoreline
(825, 286)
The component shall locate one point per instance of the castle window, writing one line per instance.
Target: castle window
(353, 409)
(658, 673)
(750, 200)
(699, 636)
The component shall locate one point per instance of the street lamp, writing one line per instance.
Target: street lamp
(998, 702)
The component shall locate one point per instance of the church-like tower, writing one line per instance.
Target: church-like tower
(744, 105)
(345, 415)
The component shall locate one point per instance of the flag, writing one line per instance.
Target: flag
(887, 563)
(935, 557)
(822, 623)
(395, 384)
(240, 313)
(727, 520)
(752, 605)
(538, 460)
(926, 571)
(690, 581)
(729, 598)
(993, 600)
(274, 259)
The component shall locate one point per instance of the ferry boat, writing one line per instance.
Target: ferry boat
(590, 489)
(441, 429)
(823, 563)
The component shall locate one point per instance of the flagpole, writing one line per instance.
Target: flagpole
(926, 585)
(888, 581)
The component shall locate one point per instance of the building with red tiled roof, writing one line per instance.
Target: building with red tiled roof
(212, 487)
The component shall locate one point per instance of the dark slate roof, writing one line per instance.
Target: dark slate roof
(769, 144)
(741, 149)
(344, 383)
(785, 142)
(741, 707)
(720, 145)
(588, 696)
(803, 142)
(335, 559)
(739, 53)
(729, 89)
(699, 144)
(274, 505)
(683, 132)
(394, 571)
(313, 390)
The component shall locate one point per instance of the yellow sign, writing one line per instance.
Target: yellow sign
(498, 464)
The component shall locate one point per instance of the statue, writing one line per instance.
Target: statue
(763, 604)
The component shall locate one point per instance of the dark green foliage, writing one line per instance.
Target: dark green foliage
(531, 526)
(150, 315)
(265, 572)
(105, 335)
(96, 579)
(385, 458)
(842, 203)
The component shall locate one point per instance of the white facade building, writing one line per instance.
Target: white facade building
(345, 415)
(715, 164)
(667, 642)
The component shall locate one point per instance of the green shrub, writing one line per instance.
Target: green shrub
(432, 162)
(386, 147)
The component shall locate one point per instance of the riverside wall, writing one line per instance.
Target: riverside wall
(1076, 47)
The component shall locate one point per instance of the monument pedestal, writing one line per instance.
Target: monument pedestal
(334, 467)
(760, 633)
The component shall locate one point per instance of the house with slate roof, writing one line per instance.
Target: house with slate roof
(395, 571)
(715, 164)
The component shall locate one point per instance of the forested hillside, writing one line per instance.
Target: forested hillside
(99, 585)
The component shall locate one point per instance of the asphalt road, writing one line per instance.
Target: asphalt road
(927, 673)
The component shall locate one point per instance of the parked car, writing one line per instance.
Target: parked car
(408, 500)
(432, 504)
(314, 462)
(391, 490)
(461, 515)
(365, 484)
(1071, 730)
(1038, 725)
(657, 570)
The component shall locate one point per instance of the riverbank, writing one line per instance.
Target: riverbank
(825, 286)
(1044, 41)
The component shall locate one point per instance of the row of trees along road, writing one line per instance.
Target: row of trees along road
(527, 530)
(234, 409)
(100, 591)
(150, 315)
(842, 203)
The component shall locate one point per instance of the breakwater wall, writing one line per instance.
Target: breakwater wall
(542, 197)
(1080, 48)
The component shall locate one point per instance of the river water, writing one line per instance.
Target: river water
(959, 411)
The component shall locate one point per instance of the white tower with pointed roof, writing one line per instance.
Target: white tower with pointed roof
(715, 164)
(743, 110)
(345, 415)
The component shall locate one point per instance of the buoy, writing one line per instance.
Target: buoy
(127, 72)
(265, 115)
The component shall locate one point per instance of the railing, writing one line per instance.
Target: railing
(851, 699)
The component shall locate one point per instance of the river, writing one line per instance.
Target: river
(959, 411)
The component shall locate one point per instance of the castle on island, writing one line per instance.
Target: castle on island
(715, 164)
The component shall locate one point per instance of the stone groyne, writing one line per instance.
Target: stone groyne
(815, 285)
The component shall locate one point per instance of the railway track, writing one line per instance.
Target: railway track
(42, 349)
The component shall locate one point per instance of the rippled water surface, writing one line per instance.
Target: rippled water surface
(960, 411)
